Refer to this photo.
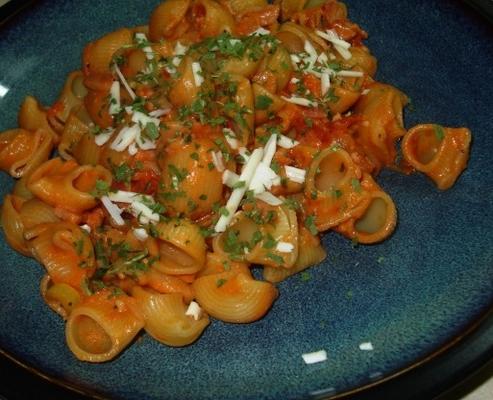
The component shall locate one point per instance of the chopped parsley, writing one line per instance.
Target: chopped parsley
(263, 102)
(220, 282)
(310, 224)
(276, 258)
(439, 132)
(101, 188)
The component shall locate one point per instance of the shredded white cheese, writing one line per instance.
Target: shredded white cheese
(341, 46)
(102, 137)
(132, 149)
(312, 53)
(197, 74)
(295, 174)
(159, 112)
(322, 58)
(295, 60)
(143, 213)
(237, 194)
(230, 137)
(115, 105)
(122, 196)
(263, 179)
(141, 234)
(244, 153)
(141, 38)
(366, 346)
(124, 82)
(260, 32)
(269, 150)
(269, 198)
(194, 311)
(350, 74)
(125, 137)
(284, 247)
(301, 101)
(230, 178)
(325, 83)
(217, 160)
(113, 210)
(86, 228)
(143, 119)
(286, 142)
(315, 357)
(179, 52)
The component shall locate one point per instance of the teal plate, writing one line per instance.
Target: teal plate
(410, 296)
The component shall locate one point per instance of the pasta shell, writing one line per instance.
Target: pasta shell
(102, 325)
(165, 318)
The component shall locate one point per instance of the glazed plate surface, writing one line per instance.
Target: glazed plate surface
(408, 296)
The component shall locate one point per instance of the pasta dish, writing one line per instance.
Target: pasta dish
(223, 135)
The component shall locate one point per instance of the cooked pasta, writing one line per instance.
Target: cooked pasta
(223, 135)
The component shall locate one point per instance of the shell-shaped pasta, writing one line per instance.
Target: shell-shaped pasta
(280, 64)
(65, 250)
(97, 55)
(245, 66)
(32, 116)
(73, 131)
(239, 7)
(346, 92)
(439, 152)
(60, 297)
(382, 108)
(283, 229)
(231, 243)
(244, 98)
(310, 253)
(184, 90)
(199, 187)
(86, 151)
(374, 220)
(102, 325)
(67, 185)
(276, 105)
(290, 7)
(320, 14)
(21, 190)
(303, 34)
(182, 247)
(71, 97)
(35, 212)
(12, 225)
(165, 318)
(362, 58)
(22, 151)
(166, 18)
(263, 250)
(220, 262)
(164, 283)
(251, 20)
(211, 18)
(97, 105)
(234, 296)
(332, 188)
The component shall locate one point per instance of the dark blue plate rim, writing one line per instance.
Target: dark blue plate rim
(446, 368)
(427, 378)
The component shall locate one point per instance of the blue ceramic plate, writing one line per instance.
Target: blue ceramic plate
(409, 296)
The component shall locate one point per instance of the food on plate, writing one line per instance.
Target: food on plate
(222, 135)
